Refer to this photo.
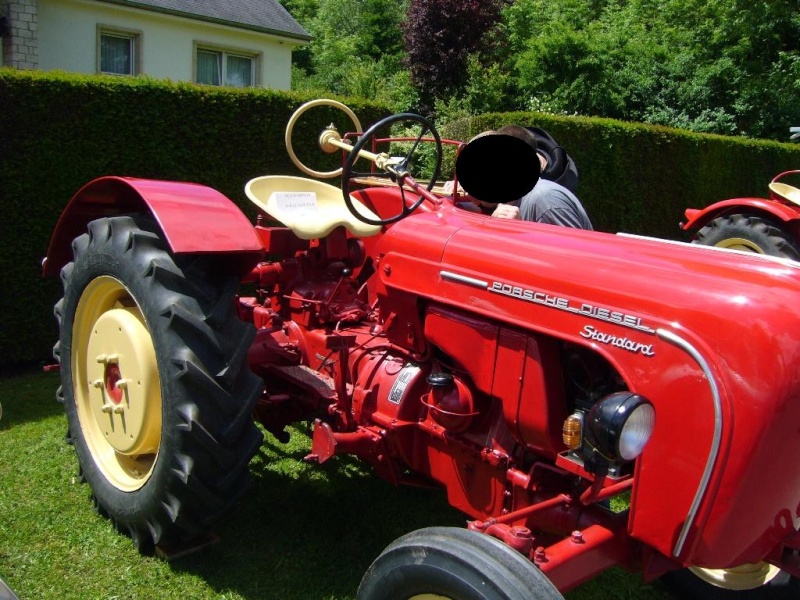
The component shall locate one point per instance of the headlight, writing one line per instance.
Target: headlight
(619, 426)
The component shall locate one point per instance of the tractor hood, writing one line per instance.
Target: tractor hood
(711, 337)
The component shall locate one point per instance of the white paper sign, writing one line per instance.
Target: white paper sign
(296, 201)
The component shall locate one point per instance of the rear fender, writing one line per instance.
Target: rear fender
(194, 218)
(698, 218)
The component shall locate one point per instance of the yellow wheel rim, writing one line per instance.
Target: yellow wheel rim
(740, 244)
(429, 597)
(744, 577)
(116, 384)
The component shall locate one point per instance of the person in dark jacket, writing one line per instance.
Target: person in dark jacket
(552, 198)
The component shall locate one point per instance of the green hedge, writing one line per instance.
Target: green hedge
(59, 131)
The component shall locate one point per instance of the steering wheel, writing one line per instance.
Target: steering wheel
(325, 147)
(394, 168)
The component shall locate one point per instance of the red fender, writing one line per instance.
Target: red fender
(697, 218)
(194, 218)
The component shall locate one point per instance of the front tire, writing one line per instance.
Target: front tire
(448, 563)
(748, 233)
(155, 384)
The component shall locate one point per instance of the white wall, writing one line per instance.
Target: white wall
(68, 41)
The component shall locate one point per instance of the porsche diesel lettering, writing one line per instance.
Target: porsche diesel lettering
(565, 304)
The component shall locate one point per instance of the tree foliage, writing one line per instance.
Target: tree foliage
(725, 66)
(356, 49)
(722, 66)
(440, 35)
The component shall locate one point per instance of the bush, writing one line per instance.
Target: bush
(60, 131)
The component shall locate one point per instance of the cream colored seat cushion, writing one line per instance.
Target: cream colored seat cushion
(791, 193)
(310, 208)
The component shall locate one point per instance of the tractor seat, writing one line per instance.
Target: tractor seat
(786, 191)
(311, 209)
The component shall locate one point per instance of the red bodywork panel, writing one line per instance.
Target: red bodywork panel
(592, 288)
(195, 218)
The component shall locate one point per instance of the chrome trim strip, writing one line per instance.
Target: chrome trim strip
(788, 262)
(450, 276)
(715, 442)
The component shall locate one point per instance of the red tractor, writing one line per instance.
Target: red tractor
(589, 400)
(766, 226)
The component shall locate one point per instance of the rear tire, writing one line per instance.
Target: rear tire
(448, 563)
(155, 382)
(748, 233)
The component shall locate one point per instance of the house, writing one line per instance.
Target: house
(238, 43)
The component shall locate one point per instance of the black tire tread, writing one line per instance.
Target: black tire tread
(209, 436)
(764, 232)
(502, 573)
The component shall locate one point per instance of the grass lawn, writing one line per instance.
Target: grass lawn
(304, 532)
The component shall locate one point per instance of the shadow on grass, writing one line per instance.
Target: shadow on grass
(304, 531)
(336, 517)
(309, 532)
(28, 396)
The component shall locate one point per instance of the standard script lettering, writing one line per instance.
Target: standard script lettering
(628, 344)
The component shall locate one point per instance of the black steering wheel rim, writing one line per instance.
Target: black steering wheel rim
(366, 137)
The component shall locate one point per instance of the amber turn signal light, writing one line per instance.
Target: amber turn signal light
(572, 431)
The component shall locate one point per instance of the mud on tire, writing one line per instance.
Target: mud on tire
(155, 382)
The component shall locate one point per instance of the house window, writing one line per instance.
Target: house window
(118, 52)
(218, 67)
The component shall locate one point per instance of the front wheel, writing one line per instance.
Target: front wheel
(749, 233)
(447, 563)
(155, 383)
(760, 581)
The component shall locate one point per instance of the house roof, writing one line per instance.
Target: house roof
(266, 16)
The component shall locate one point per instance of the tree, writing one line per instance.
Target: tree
(355, 50)
(439, 37)
(303, 11)
(723, 66)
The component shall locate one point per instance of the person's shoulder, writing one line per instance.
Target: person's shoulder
(546, 189)
(552, 203)
(552, 186)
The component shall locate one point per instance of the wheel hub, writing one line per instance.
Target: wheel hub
(113, 379)
(121, 377)
(116, 384)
